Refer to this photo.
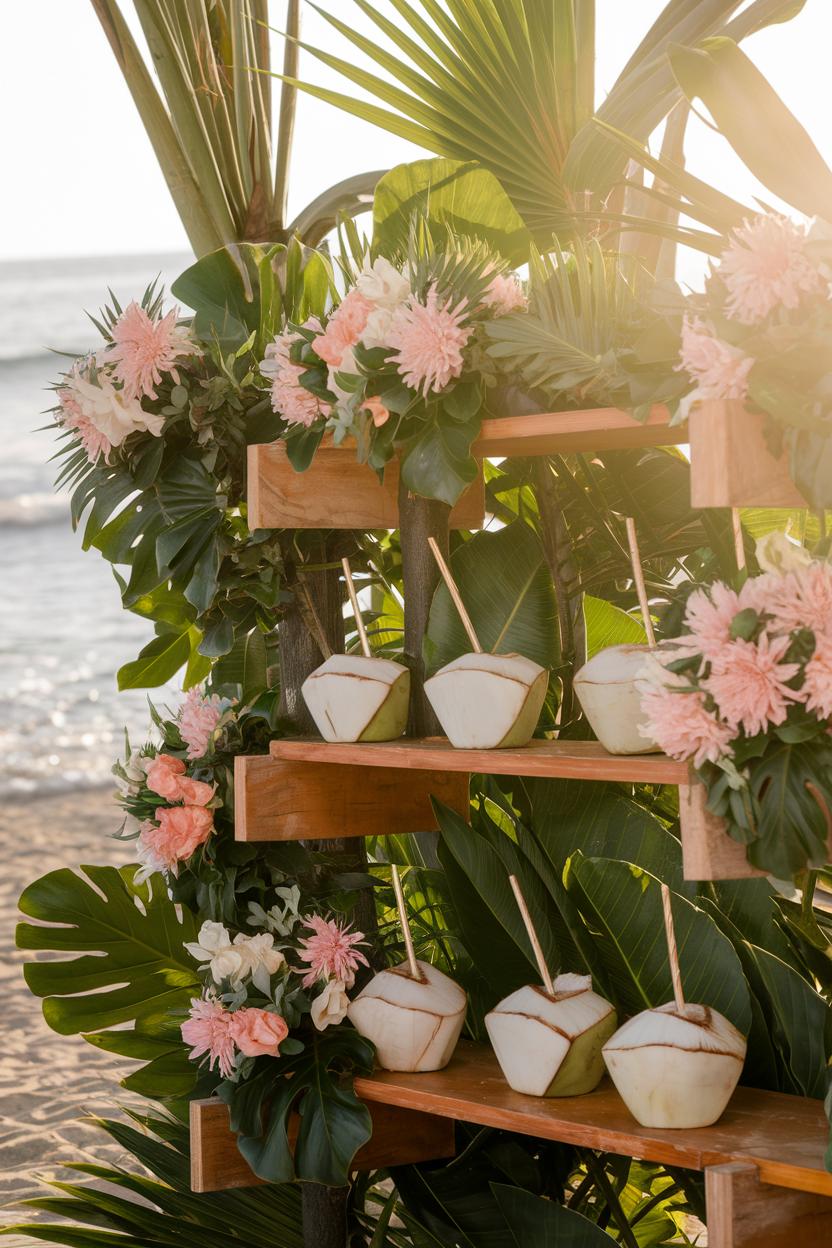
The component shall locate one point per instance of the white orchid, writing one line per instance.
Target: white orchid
(330, 1006)
(237, 959)
(108, 409)
(779, 554)
(262, 958)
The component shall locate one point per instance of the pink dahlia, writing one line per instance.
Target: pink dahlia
(94, 442)
(748, 683)
(197, 719)
(683, 726)
(330, 952)
(209, 1029)
(429, 340)
(766, 266)
(290, 399)
(817, 687)
(803, 599)
(719, 370)
(504, 294)
(143, 349)
(343, 330)
(709, 615)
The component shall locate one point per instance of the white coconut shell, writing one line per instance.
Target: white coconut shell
(676, 1070)
(539, 1039)
(415, 1025)
(488, 701)
(607, 690)
(353, 698)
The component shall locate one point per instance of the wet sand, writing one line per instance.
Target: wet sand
(48, 1083)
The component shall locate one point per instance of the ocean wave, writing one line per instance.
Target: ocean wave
(30, 511)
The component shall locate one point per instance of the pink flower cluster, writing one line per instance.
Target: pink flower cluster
(290, 399)
(742, 686)
(143, 349)
(720, 370)
(198, 719)
(428, 340)
(766, 266)
(221, 1033)
(178, 830)
(330, 952)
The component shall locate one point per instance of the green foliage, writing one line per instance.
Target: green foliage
(131, 968)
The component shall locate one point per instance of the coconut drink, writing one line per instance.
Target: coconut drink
(676, 1065)
(607, 685)
(412, 1013)
(485, 701)
(548, 1039)
(358, 697)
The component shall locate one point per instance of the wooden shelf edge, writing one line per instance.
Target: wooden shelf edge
(568, 760)
(594, 429)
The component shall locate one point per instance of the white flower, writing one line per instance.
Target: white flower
(330, 1006)
(108, 409)
(778, 553)
(214, 950)
(130, 774)
(261, 958)
(382, 283)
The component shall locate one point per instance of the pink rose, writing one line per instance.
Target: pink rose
(258, 1033)
(343, 330)
(183, 828)
(377, 410)
(162, 776)
(195, 792)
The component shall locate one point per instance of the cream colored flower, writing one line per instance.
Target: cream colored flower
(778, 553)
(109, 410)
(382, 283)
(261, 958)
(330, 1006)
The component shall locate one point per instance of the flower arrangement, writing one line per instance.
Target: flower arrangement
(762, 333)
(746, 694)
(399, 363)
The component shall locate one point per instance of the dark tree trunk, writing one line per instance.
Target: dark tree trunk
(560, 557)
(318, 602)
(419, 519)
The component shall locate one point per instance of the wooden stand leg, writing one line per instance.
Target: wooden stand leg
(745, 1213)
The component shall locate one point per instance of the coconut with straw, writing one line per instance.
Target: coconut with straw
(548, 1038)
(483, 700)
(356, 697)
(413, 1013)
(678, 1064)
(607, 686)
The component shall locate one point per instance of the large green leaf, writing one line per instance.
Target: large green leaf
(607, 625)
(453, 195)
(437, 462)
(622, 904)
(131, 965)
(534, 1220)
(508, 593)
(158, 661)
(755, 121)
(800, 1022)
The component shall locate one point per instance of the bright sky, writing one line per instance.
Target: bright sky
(81, 178)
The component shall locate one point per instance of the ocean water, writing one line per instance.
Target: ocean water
(63, 632)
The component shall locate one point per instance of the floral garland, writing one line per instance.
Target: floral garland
(762, 333)
(746, 694)
(400, 362)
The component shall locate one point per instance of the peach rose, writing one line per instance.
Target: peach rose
(195, 792)
(258, 1033)
(163, 774)
(183, 828)
(377, 410)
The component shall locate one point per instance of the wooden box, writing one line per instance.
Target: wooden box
(731, 465)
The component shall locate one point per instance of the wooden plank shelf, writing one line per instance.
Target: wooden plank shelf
(564, 433)
(784, 1137)
(569, 760)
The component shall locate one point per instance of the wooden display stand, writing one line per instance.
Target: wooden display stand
(763, 1161)
(730, 463)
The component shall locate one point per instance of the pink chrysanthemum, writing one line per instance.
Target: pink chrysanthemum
(144, 349)
(748, 681)
(504, 294)
(429, 340)
(344, 329)
(331, 952)
(290, 399)
(209, 1029)
(766, 266)
(198, 717)
(803, 599)
(93, 441)
(709, 615)
(683, 726)
(719, 370)
(817, 687)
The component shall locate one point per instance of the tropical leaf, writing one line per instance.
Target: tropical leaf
(508, 593)
(607, 625)
(535, 1220)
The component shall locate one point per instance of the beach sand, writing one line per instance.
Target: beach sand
(49, 1082)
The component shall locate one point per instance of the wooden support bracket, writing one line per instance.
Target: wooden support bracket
(742, 1212)
(731, 465)
(708, 852)
(281, 800)
(401, 1137)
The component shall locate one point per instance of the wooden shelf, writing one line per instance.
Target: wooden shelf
(563, 433)
(783, 1136)
(731, 464)
(568, 760)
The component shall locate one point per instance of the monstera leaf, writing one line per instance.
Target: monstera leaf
(130, 967)
(333, 1122)
(508, 592)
